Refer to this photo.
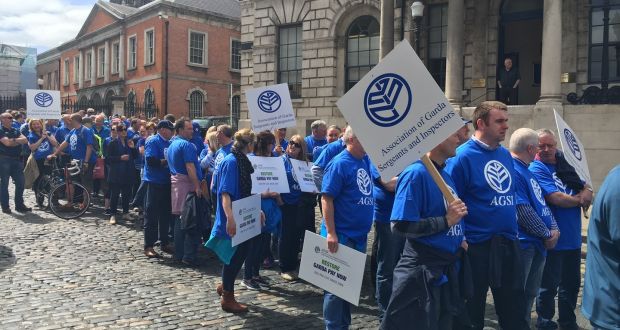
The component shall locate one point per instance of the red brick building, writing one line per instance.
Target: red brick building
(179, 57)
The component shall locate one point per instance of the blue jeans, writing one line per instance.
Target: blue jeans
(561, 275)
(186, 242)
(533, 266)
(337, 311)
(389, 249)
(11, 168)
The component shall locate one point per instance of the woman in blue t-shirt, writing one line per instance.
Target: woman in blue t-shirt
(269, 205)
(291, 229)
(41, 144)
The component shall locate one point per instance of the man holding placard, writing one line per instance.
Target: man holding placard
(483, 173)
(347, 204)
(427, 271)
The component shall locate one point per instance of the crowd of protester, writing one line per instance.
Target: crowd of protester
(515, 226)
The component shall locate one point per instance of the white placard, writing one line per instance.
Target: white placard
(270, 107)
(247, 218)
(398, 112)
(339, 273)
(303, 173)
(43, 104)
(574, 151)
(269, 174)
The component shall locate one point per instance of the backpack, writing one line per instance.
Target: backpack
(96, 141)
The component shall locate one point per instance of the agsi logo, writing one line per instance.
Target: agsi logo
(43, 99)
(559, 184)
(497, 176)
(269, 101)
(537, 191)
(363, 182)
(571, 140)
(387, 100)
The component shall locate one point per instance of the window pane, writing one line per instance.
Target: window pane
(364, 43)
(595, 71)
(435, 35)
(597, 16)
(596, 53)
(352, 59)
(291, 63)
(354, 74)
(597, 35)
(614, 16)
(435, 16)
(352, 45)
(283, 36)
(374, 57)
(435, 51)
(292, 50)
(374, 42)
(283, 64)
(364, 58)
(613, 69)
(614, 33)
(444, 49)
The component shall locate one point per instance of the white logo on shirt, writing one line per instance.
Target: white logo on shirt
(44, 146)
(537, 191)
(497, 176)
(445, 202)
(559, 184)
(363, 181)
(219, 159)
(73, 140)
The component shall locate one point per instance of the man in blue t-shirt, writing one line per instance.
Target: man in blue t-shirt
(157, 199)
(347, 204)
(80, 142)
(317, 138)
(186, 178)
(538, 230)
(565, 197)
(601, 287)
(434, 237)
(483, 174)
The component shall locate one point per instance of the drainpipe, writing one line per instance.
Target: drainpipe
(166, 28)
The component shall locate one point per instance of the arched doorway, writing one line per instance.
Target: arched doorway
(520, 39)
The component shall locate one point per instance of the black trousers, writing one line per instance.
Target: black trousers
(291, 234)
(157, 214)
(509, 302)
(116, 189)
(508, 95)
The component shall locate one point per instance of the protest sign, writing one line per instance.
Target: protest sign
(269, 174)
(43, 104)
(340, 273)
(399, 113)
(574, 151)
(270, 107)
(303, 173)
(247, 218)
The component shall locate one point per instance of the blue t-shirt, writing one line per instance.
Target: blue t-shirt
(328, 152)
(293, 196)
(312, 144)
(220, 154)
(228, 183)
(529, 192)
(51, 129)
(568, 219)
(418, 197)
(103, 133)
(61, 133)
(180, 153)
(284, 144)
(78, 139)
(484, 180)
(45, 148)
(347, 179)
(384, 200)
(156, 147)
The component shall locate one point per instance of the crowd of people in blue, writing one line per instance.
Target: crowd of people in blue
(515, 226)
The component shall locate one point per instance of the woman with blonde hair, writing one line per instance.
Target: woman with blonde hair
(232, 183)
(41, 144)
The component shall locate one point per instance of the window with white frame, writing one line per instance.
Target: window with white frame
(65, 72)
(149, 47)
(131, 52)
(290, 58)
(76, 69)
(196, 104)
(235, 55)
(100, 62)
(116, 57)
(197, 48)
(89, 66)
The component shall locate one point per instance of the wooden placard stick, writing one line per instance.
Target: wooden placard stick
(430, 167)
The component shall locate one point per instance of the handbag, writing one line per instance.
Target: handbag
(99, 169)
(31, 172)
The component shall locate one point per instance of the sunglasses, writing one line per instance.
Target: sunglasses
(8, 118)
(295, 144)
(119, 129)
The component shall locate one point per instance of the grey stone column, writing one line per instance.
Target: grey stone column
(93, 66)
(551, 87)
(387, 27)
(106, 62)
(121, 57)
(455, 50)
(81, 70)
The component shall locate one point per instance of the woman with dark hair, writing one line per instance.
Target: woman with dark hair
(292, 213)
(120, 159)
(232, 183)
(265, 142)
(41, 145)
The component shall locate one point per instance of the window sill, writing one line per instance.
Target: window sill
(149, 64)
(234, 70)
(201, 66)
(297, 100)
(131, 69)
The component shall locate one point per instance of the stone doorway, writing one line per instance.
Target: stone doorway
(520, 38)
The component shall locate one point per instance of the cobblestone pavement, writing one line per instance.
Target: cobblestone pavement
(85, 273)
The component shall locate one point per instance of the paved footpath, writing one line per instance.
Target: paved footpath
(85, 274)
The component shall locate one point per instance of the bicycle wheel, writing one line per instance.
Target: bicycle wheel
(42, 190)
(69, 203)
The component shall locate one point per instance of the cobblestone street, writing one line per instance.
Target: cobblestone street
(86, 273)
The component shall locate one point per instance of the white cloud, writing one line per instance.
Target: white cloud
(41, 24)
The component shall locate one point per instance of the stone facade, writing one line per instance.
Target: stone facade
(17, 69)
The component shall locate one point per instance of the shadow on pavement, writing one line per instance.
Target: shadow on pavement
(7, 258)
(33, 218)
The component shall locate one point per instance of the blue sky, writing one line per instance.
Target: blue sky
(42, 24)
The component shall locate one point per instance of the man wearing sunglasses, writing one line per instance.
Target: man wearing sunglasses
(11, 141)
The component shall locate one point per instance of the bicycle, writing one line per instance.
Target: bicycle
(65, 198)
